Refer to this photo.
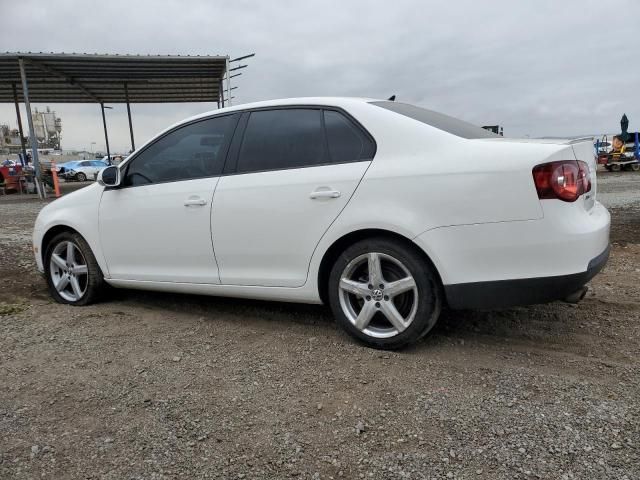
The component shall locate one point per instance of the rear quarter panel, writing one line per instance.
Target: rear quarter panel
(423, 179)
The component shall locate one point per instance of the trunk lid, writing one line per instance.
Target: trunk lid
(584, 151)
(569, 149)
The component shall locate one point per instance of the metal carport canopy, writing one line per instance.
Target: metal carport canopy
(95, 78)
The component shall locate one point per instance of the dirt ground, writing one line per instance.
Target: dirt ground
(155, 386)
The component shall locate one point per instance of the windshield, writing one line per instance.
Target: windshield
(438, 120)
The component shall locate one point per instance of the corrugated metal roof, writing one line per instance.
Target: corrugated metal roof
(91, 78)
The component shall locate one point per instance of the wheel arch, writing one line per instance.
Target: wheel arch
(51, 234)
(344, 242)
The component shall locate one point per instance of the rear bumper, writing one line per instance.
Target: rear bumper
(522, 291)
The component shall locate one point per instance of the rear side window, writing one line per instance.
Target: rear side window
(440, 121)
(285, 138)
(347, 143)
(193, 151)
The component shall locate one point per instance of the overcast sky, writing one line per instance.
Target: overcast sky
(537, 67)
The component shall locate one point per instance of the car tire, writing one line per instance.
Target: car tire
(634, 167)
(81, 177)
(615, 167)
(395, 306)
(77, 280)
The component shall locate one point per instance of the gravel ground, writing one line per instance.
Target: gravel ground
(154, 386)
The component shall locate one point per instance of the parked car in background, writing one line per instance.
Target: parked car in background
(82, 170)
(10, 176)
(116, 158)
(62, 167)
(385, 211)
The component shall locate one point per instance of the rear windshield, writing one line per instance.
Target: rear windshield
(437, 120)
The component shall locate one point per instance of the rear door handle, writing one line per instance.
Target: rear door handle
(324, 194)
(194, 202)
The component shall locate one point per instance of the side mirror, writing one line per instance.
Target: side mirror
(109, 177)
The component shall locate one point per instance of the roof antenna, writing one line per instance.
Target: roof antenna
(392, 98)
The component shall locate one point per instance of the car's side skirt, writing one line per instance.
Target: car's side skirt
(281, 294)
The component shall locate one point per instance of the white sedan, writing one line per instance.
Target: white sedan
(385, 211)
(83, 170)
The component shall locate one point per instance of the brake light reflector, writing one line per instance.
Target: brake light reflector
(564, 180)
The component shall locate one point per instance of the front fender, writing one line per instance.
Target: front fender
(76, 211)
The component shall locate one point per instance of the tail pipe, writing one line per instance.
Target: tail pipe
(576, 296)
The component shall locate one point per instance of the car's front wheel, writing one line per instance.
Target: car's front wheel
(81, 177)
(72, 272)
(384, 293)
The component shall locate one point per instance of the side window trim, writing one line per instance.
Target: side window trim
(225, 149)
(231, 165)
(233, 143)
(325, 136)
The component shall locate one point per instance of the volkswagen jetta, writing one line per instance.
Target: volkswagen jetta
(385, 211)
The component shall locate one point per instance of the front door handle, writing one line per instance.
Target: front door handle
(324, 194)
(194, 202)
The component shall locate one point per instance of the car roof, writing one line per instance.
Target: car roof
(317, 101)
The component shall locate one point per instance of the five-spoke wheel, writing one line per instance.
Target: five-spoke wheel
(384, 293)
(378, 295)
(72, 273)
(68, 270)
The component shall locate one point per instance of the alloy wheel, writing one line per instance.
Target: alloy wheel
(68, 270)
(378, 295)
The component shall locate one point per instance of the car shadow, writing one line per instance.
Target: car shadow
(459, 326)
(225, 306)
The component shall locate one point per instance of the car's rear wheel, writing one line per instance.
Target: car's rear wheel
(72, 272)
(81, 177)
(384, 293)
(634, 167)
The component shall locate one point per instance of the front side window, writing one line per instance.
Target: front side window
(192, 151)
(284, 138)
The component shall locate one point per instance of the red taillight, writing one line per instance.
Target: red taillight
(565, 180)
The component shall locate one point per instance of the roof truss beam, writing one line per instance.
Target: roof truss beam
(70, 80)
